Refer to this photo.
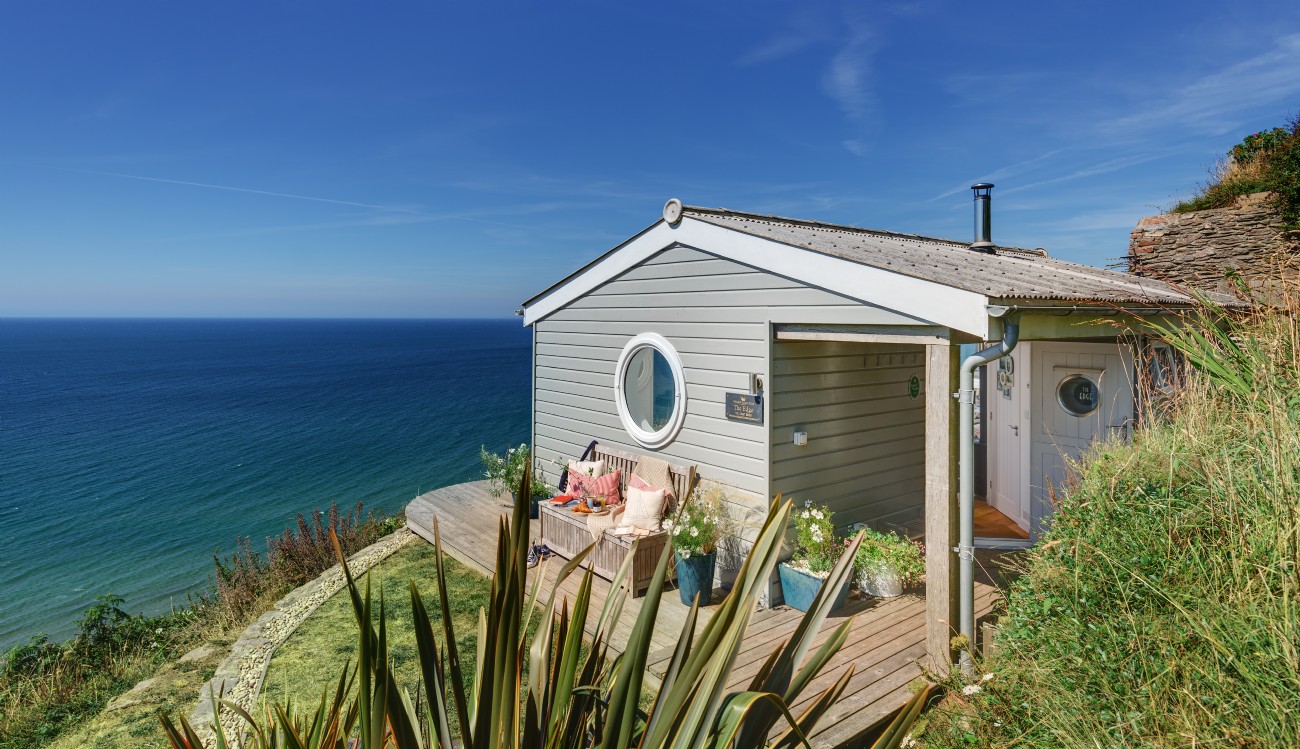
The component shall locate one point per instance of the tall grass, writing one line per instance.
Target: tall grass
(1163, 608)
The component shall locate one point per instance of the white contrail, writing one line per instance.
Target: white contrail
(288, 195)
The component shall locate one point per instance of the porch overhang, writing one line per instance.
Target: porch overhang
(899, 334)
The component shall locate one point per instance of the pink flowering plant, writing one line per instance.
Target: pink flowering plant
(698, 528)
(816, 547)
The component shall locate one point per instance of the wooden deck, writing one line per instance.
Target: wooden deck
(885, 643)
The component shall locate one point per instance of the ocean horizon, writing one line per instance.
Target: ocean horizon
(133, 448)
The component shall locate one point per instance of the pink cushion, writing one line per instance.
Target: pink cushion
(606, 486)
(636, 482)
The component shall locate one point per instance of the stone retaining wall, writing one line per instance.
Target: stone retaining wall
(239, 677)
(1200, 248)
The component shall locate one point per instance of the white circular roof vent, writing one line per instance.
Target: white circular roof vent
(673, 211)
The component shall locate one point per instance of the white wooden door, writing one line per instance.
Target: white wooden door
(1008, 452)
(1082, 392)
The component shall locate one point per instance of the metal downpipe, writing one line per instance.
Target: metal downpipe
(966, 478)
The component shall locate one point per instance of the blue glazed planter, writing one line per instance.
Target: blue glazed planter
(800, 588)
(695, 576)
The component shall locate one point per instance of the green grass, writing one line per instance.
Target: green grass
(308, 663)
(174, 689)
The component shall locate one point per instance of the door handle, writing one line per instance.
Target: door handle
(1015, 430)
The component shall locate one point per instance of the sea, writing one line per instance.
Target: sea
(132, 450)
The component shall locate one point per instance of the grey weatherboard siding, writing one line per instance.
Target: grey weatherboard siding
(717, 314)
(865, 456)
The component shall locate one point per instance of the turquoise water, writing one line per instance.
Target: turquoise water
(131, 449)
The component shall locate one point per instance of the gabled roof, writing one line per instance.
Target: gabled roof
(941, 281)
(1007, 274)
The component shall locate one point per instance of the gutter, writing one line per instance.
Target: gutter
(965, 396)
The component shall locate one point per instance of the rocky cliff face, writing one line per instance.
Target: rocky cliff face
(1203, 248)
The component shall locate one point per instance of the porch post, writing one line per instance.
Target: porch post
(942, 368)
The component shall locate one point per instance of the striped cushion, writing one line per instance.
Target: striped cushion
(606, 487)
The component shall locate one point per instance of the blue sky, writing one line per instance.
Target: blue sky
(424, 160)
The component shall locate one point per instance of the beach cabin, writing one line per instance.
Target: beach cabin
(823, 362)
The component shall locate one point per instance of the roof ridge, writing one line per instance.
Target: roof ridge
(827, 226)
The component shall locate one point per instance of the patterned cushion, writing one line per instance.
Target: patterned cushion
(606, 487)
(645, 508)
(586, 487)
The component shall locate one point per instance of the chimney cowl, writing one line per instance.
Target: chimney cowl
(983, 217)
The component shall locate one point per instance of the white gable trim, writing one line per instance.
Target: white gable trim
(914, 297)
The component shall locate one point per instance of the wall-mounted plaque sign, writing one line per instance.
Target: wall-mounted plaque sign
(745, 407)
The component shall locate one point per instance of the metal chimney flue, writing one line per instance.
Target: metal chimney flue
(983, 217)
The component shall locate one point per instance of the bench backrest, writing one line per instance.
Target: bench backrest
(683, 476)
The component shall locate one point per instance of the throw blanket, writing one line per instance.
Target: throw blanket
(598, 524)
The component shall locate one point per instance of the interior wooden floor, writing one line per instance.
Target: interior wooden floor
(990, 523)
(886, 642)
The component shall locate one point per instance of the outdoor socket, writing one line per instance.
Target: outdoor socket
(801, 438)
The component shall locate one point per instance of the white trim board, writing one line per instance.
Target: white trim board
(922, 300)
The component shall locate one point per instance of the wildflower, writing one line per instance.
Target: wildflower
(158, 631)
(686, 553)
(987, 676)
(817, 514)
(695, 532)
(908, 741)
(807, 503)
(817, 534)
(970, 689)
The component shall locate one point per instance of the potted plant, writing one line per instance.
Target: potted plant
(695, 533)
(815, 552)
(886, 563)
(504, 472)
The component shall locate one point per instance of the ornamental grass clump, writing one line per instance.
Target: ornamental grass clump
(816, 548)
(698, 528)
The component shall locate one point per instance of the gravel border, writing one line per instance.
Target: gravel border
(240, 675)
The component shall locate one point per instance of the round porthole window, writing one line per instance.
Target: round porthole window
(1078, 395)
(650, 390)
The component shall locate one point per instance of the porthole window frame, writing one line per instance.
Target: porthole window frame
(664, 436)
(1060, 401)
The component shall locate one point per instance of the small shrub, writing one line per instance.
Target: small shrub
(1266, 161)
(815, 544)
(699, 526)
(889, 551)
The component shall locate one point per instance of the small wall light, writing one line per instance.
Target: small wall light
(801, 438)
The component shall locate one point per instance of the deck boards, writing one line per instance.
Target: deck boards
(885, 643)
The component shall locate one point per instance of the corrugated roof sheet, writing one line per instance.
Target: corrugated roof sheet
(1010, 274)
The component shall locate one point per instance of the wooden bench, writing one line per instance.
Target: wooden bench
(566, 533)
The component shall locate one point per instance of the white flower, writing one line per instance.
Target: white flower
(511, 451)
(807, 503)
(818, 514)
(686, 553)
(695, 532)
(970, 689)
(668, 525)
(804, 515)
(816, 533)
(158, 631)
(908, 741)
(987, 676)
